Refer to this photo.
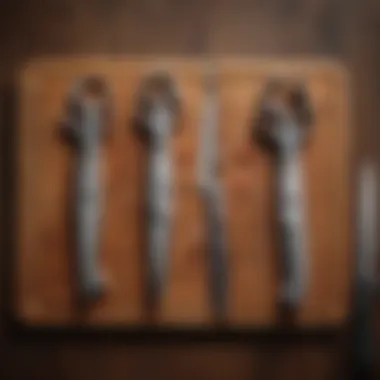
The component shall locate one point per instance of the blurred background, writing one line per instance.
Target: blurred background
(347, 30)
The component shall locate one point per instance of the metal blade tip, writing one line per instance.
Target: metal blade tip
(210, 78)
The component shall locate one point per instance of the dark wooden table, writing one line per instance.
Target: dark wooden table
(346, 30)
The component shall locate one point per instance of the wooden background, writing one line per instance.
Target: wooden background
(345, 29)
(45, 256)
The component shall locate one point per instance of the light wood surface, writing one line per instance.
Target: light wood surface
(45, 285)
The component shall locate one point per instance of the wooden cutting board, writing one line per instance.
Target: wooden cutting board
(45, 288)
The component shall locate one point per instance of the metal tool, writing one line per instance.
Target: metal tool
(88, 111)
(208, 179)
(157, 110)
(365, 289)
(283, 124)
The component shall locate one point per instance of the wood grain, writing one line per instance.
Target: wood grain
(45, 288)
